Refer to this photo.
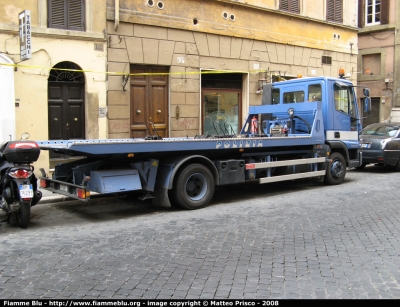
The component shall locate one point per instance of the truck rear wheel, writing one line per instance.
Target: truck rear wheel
(336, 169)
(194, 187)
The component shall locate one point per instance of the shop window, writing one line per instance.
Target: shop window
(66, 14)
(221, 112)
(221, 103)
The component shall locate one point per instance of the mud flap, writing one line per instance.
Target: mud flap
(162, 199)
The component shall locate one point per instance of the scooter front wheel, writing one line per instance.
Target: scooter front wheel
(24, 214)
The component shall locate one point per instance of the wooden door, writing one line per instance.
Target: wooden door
(66, 111)
(149, 101)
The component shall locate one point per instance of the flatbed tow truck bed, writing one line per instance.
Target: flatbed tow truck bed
(185, 170)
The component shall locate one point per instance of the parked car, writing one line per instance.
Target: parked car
(380, 144)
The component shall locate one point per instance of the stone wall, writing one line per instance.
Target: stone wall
(188, 53)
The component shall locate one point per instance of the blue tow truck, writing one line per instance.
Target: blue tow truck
(304, 128)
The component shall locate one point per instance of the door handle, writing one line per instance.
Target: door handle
(76, 119)
(67, 124)
(138, 111)
(55, 119)
(159, 111)
(337, 135)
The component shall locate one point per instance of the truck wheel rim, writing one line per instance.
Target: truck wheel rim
(337, 169)
(196, 186)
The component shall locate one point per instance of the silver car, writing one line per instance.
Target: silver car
(380, 144)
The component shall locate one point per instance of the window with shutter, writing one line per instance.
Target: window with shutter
(376, 12)
(292, 6)
(372, 12)
(66, 14)
(334, 10)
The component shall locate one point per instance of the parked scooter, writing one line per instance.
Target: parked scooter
(18, 183)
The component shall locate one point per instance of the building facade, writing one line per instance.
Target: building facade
(60, 91)
(130, 68)
(177, 66)
(379, 58)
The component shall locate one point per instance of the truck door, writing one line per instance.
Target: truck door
(344, 112)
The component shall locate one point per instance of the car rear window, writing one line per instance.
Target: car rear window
(388, 130)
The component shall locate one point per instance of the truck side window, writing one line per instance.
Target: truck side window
(314, 92)
(344, 100)
(293, 97)
(275, 96)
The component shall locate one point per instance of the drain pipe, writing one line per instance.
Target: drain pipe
(116, 21)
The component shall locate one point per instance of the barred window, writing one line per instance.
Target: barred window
(292, 6)
(326, 60)
(66, 14)
(334, 10)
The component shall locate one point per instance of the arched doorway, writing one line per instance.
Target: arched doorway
(66, 103)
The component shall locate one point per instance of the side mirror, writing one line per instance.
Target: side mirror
(366, 91)
(367, 104)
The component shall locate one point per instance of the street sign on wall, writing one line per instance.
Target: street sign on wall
(25, 35)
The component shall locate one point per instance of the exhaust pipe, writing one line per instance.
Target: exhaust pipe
(36, 198)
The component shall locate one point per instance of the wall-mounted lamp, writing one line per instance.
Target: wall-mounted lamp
(368, 71)
(387, 82)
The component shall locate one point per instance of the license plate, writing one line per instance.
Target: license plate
(25, 191)
(64, 187)
(365, 145)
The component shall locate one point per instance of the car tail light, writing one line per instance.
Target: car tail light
(20, 173)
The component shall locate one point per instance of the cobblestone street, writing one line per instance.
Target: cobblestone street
(300, 240)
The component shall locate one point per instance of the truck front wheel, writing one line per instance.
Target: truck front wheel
(336, 169)
(194, 187)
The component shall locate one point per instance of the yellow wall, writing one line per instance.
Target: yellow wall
(263, 22)
(49, 47)
(11, 9)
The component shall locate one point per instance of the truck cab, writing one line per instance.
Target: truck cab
(340, 112)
